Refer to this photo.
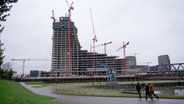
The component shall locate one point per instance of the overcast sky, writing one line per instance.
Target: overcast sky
(153, 28)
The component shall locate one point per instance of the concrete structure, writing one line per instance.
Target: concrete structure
(59, 46)
(164, 60)
(35, 73)
(81, 61)
(131, 62)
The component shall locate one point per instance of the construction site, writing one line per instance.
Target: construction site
(69, 59)
(70, 63)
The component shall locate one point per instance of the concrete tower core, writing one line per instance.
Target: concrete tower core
(60, 45)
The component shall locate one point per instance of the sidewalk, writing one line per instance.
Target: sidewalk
(73, 99)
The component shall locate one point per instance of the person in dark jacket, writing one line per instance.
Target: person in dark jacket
(148, 92)
(138, 88)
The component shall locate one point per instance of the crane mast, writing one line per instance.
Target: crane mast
(70, 7)
(104, 44)
(53, 16)
(94, 40)
(124, 52)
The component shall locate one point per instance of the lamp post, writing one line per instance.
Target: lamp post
(148, 63)
(135, 54)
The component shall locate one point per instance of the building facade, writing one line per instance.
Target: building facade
(163, 60)
(164, 63)
(60, 45)
(131, 62)
(81, 61)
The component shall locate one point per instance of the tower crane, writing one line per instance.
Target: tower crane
(53, 16)
(27, 59)
(124, 52)
(104, 44)
(94, 40)
(70, 7)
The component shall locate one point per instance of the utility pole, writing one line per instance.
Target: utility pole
(70, 7)
(124, 52)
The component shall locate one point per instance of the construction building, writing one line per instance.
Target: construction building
(81, 61)
(59, 46)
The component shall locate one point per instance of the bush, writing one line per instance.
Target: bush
(6, 74)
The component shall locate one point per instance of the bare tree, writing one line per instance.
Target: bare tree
(7, 66)
(8, 71)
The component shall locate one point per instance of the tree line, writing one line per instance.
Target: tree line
(6, 70)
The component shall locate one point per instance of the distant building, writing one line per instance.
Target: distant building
(35, 73)
(164, 63)
(131, 62)
(163, 60)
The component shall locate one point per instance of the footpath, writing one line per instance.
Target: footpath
(73, 99)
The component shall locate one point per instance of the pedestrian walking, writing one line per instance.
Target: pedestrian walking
(138, 88)
(147, 92)
(152, 89)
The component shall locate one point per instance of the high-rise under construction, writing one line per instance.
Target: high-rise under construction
(60, 45)
(81, 61)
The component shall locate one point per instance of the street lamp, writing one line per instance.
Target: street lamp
(135, 54)
(148, 70)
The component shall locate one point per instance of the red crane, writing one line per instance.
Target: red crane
(27, 59)
(94, 40)
(124, 52)
(70, 7)
(104, 44)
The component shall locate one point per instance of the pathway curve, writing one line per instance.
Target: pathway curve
(73, 99)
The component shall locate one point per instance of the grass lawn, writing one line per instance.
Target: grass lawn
(13, 93)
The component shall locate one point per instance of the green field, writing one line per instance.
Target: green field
(13, 93)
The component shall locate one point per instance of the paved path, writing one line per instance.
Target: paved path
(72, 99)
